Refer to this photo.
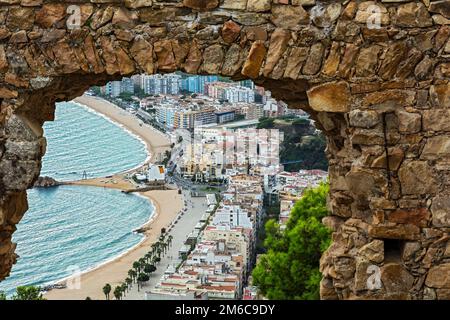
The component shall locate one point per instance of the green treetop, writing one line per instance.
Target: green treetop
(28, 293)
(290, 268)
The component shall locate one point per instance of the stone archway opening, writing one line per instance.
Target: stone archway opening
(380, 94)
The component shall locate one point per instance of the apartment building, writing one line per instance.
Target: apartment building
(290, 187)
(233, 216)
(251, 111)
(228, 91)
(196, 84)
(161, 84)
(221, 253)
(225, 116)
(115, 88)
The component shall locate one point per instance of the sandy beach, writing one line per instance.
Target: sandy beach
(156, 141)
(167, 205)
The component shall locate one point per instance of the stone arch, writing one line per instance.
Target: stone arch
(380, 93)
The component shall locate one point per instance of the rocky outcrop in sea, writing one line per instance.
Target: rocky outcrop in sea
(46, 182)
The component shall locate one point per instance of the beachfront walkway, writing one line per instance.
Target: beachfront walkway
(179, 232)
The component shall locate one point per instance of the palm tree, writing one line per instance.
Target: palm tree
(149, 268)
(131, 274)
(143, 277)
(118, 293)
(124, 288)
(135, 275)
(136, 266)
(107, 290)
(142, 263)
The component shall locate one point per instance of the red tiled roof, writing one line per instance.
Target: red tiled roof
(218, 288)
(172, 284)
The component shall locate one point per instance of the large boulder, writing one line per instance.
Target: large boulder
(330, 97)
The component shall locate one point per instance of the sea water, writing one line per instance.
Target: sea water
(81, 140)
(70, 228)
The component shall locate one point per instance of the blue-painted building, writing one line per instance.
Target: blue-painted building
(196, 84)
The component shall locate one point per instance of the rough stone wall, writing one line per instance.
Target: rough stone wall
(381, 96)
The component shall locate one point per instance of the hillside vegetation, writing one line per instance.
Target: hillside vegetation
(301, 143)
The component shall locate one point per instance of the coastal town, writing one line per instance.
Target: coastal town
(224, 150)
(227, 173)
(219, 254)
(175, 101)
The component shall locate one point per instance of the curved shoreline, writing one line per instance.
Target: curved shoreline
(112, 259)
(148, 147)
(114, 271)
(128, 122)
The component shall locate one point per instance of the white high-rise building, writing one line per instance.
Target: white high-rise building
(115, 88)
(233, 216)
(112, 88)
(161, 84)
(231, 92)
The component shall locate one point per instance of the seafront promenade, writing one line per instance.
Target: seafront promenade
(196, 207)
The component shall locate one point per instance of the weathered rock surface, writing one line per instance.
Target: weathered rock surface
(330, 97)
(396, 279)
(439, 276)
(440, 211)
(416, 177)
(46, 182)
